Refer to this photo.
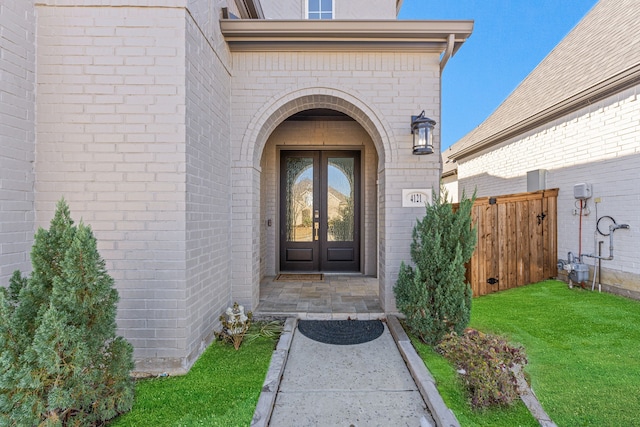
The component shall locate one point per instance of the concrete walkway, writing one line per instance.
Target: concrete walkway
(315, 384)
(380, 383)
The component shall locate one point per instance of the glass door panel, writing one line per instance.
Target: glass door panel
(299, 211)
(340, 211)
(320, 211)
(299, 204)
(340, 199)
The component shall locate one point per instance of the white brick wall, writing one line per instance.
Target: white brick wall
(380, 90)
(114, 3)
(450, 184)
(245, 245)
(17, 135)
(208, 188)
(279, 9)
(111, 140)
(154, 134)
(349, 9)
(365, 9)
(600, 145)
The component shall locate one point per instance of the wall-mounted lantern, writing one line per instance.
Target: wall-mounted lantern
(422, 130)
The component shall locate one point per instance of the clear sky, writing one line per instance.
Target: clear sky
(509, 39)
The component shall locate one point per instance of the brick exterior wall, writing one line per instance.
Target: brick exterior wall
(134, 123)
(155, 134)
(379, 90)
(600, 145)
(208, 175)
(111, 140)
(351, 9)
(17, 135)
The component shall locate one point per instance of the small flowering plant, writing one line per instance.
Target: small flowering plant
(235, 324)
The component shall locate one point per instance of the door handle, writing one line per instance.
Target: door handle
(316, 227)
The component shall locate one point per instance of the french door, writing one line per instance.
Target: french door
(320, 211)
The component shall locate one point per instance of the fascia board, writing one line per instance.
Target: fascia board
(335, 33)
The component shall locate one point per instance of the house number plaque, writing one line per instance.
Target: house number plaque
(416, 197)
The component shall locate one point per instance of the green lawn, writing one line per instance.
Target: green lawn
(454, 395)
(584, 363)
(583, 349)
(221, 389)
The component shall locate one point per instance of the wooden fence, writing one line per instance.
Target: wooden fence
(517, 241)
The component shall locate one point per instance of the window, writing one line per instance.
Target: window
(320, 9)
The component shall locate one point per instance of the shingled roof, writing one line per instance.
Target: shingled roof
(599, 57)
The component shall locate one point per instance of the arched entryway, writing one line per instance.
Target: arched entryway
(327, 124)
(302, 154)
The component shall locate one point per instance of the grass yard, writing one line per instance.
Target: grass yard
(583, 349)
(454, 395)
(221, 389)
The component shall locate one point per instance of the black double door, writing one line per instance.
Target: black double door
(320, 211)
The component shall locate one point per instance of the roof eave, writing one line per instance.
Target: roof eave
(448, 173)
(334, 34)
(604, 89)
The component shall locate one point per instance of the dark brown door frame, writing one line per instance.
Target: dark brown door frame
(320, 254)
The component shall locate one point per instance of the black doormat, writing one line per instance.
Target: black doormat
(341, 332)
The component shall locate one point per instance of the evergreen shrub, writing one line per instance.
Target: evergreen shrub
(61, 363)
(433, 294)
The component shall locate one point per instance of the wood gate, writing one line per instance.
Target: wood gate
(517, 241)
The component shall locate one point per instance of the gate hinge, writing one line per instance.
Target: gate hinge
(492, 280)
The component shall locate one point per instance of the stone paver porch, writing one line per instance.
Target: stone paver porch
(338, 296)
